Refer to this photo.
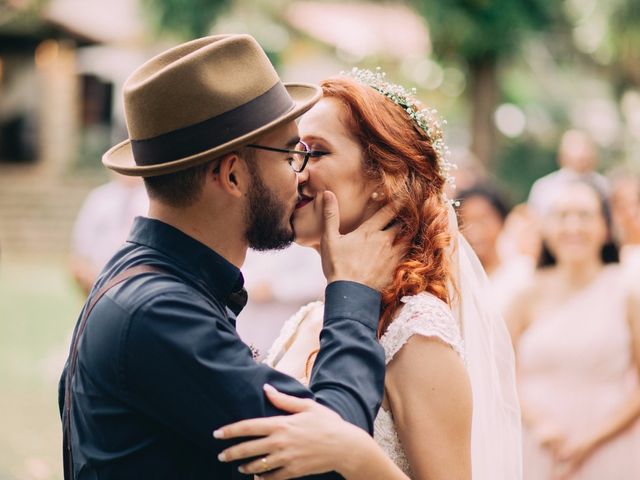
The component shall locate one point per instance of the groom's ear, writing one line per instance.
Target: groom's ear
(231, 175)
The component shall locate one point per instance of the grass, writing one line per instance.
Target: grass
(38, 308)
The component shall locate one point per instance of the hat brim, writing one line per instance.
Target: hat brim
(120, 157)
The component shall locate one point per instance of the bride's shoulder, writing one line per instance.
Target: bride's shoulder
(310, 314)
(426, 315)
(425, 309)
(310, 309)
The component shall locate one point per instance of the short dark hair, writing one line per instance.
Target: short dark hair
(178, 189)
(489, 193)
(183, 188)
(610, 252)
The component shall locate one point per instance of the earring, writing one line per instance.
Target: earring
(375, 196)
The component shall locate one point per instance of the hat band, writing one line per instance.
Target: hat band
(215, 131)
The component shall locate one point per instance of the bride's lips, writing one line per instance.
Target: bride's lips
(303, 200)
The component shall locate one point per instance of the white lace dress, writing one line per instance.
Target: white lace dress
(422, 314)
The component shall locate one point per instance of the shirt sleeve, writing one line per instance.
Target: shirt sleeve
(348, 373)
(186, 366)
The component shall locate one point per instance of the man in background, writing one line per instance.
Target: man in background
(578, 160)
(103, 224)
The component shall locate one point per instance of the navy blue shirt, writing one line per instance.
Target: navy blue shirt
(161, 366)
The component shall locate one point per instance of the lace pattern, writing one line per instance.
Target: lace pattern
(288, 330)
(422, 314)
(386, 435)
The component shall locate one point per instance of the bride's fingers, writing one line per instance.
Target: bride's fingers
(254, 427)
(280, 474)
(252, 448)
(262, 465)
(286, 402)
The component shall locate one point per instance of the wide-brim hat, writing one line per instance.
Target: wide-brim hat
(200, 100)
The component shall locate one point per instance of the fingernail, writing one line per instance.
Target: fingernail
(218, 434)
(241, 469)
(269, 388)
(222, 457)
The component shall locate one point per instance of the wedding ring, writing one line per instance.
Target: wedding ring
(265, 465)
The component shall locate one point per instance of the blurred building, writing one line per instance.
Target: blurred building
(39, 123)
(39, 91)
(61, 71)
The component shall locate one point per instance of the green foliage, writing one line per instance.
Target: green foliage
(475, 30)
(186, 18)
(519, 164)
(625, 36)
(20, 13)
(39, 305)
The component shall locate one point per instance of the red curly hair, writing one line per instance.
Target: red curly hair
(400, 156)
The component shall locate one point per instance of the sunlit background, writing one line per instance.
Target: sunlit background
(510, 76)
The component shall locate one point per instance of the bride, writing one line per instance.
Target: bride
(450, 408)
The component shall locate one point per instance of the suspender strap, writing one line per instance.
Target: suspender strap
(73, 356)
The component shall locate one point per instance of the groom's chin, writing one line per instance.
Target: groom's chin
(272, 240)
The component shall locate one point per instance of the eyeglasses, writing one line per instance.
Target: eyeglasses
(299, 157)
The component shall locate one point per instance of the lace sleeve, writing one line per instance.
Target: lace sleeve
(287, 332)
(426, 315)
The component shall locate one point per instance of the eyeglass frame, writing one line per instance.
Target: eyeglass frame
(308, 153)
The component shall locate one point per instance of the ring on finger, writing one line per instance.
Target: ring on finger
(265, 464)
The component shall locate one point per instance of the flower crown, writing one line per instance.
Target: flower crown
(425, 119)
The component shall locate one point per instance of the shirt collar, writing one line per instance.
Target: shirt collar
(219, 275)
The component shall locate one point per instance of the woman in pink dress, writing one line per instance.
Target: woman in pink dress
(576, 333)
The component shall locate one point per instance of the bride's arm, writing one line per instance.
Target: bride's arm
(313, 440)
(431, 401)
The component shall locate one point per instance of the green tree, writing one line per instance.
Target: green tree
(186, 18)
(482, 34)
(625, 37)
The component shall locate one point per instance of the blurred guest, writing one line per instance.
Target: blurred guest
(103, 224)
(469, 171)
(576, 333)
(578, 159)
(483, 212)
(521, 234)
(625, 205)
(272, 300)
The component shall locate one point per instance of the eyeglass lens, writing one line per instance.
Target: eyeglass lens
(299, 158)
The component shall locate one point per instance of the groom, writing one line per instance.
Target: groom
(156, 364)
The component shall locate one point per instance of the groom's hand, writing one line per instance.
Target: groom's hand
(368, 255)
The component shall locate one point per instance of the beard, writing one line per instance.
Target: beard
(266, 218)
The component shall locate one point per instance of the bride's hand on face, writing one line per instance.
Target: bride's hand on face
(311, 441)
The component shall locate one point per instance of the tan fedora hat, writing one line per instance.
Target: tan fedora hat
(200, 100)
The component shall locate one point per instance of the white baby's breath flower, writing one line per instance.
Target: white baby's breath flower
(425, 118)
